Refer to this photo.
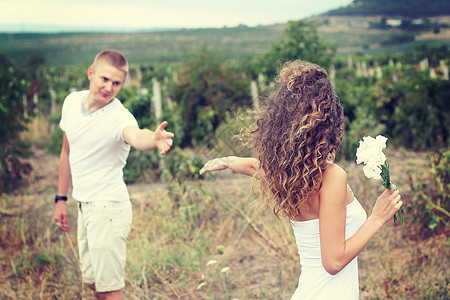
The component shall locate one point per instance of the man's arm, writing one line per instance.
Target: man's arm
(145, 140)
(65, 179)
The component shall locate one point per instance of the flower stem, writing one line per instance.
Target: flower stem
(388, 185)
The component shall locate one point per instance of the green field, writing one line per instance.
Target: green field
(79, 48)
(351, 34)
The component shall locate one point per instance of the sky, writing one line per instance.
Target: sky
(58, 15)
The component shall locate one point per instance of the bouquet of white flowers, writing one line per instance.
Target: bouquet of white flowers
(370, 152)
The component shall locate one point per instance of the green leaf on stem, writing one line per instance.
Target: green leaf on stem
(388, 185)
(400, 216)
(386, 176)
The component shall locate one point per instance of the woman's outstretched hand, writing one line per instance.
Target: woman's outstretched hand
(243, 165)
(216, 164)
(388, 203)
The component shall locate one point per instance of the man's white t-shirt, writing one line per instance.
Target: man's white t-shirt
(98, 151)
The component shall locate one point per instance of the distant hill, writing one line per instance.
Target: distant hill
(139, 47)
(363, 27)
(378, 34)
(400, 8)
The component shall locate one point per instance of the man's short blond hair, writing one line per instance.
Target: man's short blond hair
(112, 57)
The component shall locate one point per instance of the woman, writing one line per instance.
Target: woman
(295, 145)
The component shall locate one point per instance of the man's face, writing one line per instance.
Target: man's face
(105, 82)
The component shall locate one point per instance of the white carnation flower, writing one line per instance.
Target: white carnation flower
(376, 157)
(372, 171)
(370, 151)
(381, 142)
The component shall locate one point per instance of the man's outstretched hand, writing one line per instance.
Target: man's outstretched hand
(163, 139)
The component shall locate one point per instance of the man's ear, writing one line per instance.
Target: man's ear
(90, 73)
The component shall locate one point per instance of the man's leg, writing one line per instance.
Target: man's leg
(87, 271)
(108, 225)
(116, 295)
(108, 295)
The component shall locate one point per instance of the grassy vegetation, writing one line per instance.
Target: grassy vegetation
(210, 239)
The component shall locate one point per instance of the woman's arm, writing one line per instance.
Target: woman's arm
(242, 165)
(336, 251)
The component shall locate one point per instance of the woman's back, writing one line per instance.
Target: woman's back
(313, 202)
(315, 282)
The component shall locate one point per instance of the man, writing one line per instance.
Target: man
(98, 131)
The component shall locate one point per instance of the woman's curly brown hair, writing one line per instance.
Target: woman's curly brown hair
(299, 130)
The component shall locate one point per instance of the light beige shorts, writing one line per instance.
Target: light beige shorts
(103, 229)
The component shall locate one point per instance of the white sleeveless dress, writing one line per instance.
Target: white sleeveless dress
(315, 282)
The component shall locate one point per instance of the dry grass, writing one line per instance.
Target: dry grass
(39, 132)
(176, 234)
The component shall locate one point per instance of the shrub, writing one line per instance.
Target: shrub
(302, 41)
(411, 110)
(430, 203)
(419, 114)
(142, 165)
(182, 165)
(14, 119)
(206, 89)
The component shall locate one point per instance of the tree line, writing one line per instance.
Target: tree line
(399, 8)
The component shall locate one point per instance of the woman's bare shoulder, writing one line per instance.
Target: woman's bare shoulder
(335, 171)
(334, 176)
(334, 184)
